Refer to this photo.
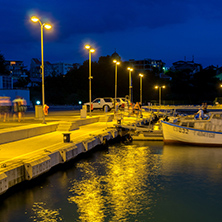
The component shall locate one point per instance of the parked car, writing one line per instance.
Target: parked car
(121, 102)
(101, 103)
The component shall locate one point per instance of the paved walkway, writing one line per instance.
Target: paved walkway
(23, 149)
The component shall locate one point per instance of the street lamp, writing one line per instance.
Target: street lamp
(156, 87)
(130, 83)
(46, 26)
(141, 79)
(116, 64)
(91, 50)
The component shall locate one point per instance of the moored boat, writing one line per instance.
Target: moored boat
(206, 132)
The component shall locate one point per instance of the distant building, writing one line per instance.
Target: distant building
(186, 65)
(218, 72)
(6, 82)
(50, 69)
(16, 69)
(116, 56)
(62, 68)
(35, 68)
(147, 64)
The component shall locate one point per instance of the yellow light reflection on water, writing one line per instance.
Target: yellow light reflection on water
(41, 213)
(89, 199)
(119, 188)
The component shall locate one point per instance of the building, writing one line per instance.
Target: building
(186, 65)
(16, 69)
(35, 68)
(147, 64)
(50, 69)
(6, 82)
(62, 68)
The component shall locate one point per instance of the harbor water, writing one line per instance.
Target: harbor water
(138, 181)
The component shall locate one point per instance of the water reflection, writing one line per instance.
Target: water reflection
(41, 213)
(206, 161)
(142, 181)
(118, 186)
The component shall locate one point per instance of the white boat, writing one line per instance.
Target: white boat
(196, 132)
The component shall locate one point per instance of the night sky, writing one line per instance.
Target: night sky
(169, 30)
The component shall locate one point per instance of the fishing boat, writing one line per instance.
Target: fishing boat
(187, 130)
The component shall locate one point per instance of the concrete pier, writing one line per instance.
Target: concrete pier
(30, 150)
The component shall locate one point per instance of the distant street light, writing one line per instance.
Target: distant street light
(46, 26)
(141, 79)
(88, 47)
(156, 87)
(130, 83)
(116, 64)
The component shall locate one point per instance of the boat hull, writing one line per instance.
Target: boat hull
(173, 133)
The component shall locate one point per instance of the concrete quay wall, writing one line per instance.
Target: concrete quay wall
(14, 134)
(15, 171)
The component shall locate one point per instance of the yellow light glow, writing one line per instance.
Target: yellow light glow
(124, 186)
(156, 87)
(87, 46)
(118, 63)
(163, 87)
(114, 61)
(47, 26)
(34, 19)
(141, 75)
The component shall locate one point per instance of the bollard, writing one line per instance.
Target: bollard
(119, 121)
(66, 137)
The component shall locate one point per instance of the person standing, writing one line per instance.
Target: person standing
(17, 108)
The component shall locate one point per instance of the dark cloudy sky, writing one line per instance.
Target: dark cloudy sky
(169, 30)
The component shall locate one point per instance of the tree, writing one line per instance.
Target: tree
(3, 70)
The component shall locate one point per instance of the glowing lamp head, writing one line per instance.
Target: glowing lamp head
(34, 19)
(87, 46)
(141, 75)
(47, 26)
(92, 50)
(130, 69)
(114, 61)
(156, 87)
(118, 63)
(163, 87)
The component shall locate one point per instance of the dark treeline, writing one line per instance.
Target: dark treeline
(74, 86)
(182, 88)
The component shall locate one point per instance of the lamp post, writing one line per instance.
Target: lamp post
(130, 83)
(141, 79)
(116, 64)
(47, 26)
(160, 92)
(91, 50)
